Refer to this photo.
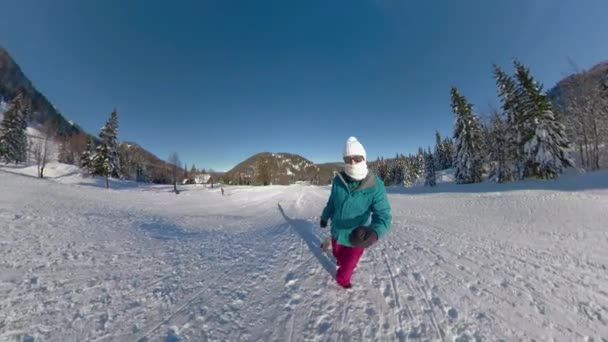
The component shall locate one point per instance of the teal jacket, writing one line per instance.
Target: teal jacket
(351, 203)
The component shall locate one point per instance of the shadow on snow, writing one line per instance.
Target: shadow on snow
(304, 228)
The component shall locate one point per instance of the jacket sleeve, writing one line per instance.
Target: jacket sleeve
(328, 211)
(381, 211)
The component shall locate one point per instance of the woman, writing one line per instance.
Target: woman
(356, 195)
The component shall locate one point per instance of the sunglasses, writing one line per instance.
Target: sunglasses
(351, 159)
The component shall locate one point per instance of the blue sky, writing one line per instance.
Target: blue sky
(217, 81)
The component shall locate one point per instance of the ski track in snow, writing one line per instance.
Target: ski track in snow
(78, 262)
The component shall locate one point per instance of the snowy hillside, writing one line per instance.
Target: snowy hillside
(79, 262)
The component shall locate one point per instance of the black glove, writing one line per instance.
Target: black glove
(323, 223)
(363, 237)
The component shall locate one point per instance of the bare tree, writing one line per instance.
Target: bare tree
(41, 146)
(131, 161)
(585, 107)
(175, 165)
(72, 147)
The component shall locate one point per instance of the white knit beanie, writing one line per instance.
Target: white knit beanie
(354, 148)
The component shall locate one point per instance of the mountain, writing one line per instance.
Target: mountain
(139, 164)
(579, 84)
(279, 168)
(13, 81)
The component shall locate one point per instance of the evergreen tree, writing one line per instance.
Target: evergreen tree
(448, 150)
(403, 168)
(383, 171)
(86, 159)
(388, 165)
(430, 179)
(394, 171)
(443, 152)
(105, 162)
(546, 145)
(439, 157)
(411, 171)
(399, 171)
(386, 171)
(374, 167)
(467, 133)
(511, 99)
(500, 171)
(486, 137)
(107, 158)
(420, 166)
(102, 164)
(13, 138)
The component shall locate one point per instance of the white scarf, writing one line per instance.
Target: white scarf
(357, 171)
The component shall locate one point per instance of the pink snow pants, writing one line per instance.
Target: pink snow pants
(346, 260)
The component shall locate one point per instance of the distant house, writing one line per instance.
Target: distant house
(202, 178)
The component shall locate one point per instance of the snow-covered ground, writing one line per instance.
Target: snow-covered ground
(139, 263)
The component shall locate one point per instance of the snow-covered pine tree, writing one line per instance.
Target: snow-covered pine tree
(410, 176)
(383, 171)
(546, 144)
(407, 179)
(13, 138)
(430, 179)
(439, 158)
(511, 100)
(386, 172)
(105, 162)
(499, 171)
(467, 133)
(102, 164)
(395, 172)
(448, 150)
(420, 165)
(376, 167)
(486, 138)
(387, 165)
(400, 166)
(86, 159)
(109, 143)
(373, 167)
